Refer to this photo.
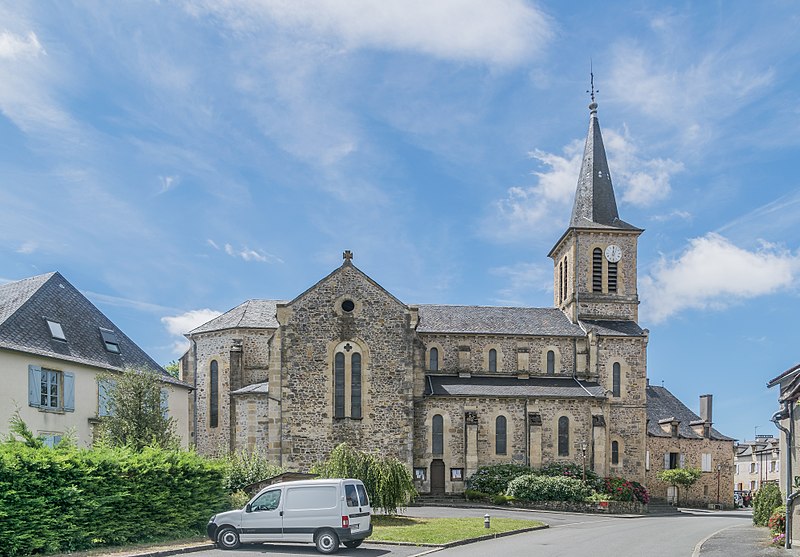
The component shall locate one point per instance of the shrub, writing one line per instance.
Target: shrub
(239, 499)
(533, 487)
(59, 500)
(777, 522)
(502, 499)
(494, 479)
(765, 501)
(245, 468)
(620, 489)
(472, 495)
(570, 470)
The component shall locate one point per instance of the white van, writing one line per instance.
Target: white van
(323, 512)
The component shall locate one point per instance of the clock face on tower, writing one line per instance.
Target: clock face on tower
(613, 253)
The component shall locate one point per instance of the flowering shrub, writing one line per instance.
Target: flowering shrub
(766, 500)
(545, 488)
(620, 489)
(570, 470)
(779, 540)
(777, 522)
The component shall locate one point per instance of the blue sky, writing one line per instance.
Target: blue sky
(173, 159)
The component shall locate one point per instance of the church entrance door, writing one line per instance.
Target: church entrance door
(437, 477)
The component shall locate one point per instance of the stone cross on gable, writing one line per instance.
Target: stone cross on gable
(347, 255)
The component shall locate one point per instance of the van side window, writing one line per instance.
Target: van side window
(362, 494)
(350, 495)
(267, 501)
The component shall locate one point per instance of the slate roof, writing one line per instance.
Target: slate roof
(496, 320)
(662, 405)
(510, 386)
(252, 314)
(25, 307)
(595, 205)
(614, 328)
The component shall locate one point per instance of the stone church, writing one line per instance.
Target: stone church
(444, 388)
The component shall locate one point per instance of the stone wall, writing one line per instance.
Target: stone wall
(613, 507)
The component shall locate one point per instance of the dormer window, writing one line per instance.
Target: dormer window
(110, 340)
(56, 331)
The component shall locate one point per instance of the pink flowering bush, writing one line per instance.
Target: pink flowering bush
(620, 489)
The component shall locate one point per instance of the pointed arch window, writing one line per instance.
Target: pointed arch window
(492, 360)
(213, 394)
(615, 452)
(437, 435)
(564, 281)
(616, 374)
(500, 435)
(563, 436)
(561, 281)
(551, 362)
(597, 270)
(348, 381)
(433, 359)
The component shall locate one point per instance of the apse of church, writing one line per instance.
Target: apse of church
(444, 388)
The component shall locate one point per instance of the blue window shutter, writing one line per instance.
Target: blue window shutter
(34, 385)
(69, 391)
(165, 403)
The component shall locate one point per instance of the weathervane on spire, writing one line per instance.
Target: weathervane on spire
(592, 91)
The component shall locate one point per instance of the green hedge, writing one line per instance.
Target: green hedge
(54, 500)
(494, 479)
(765, 501)
(548, 488)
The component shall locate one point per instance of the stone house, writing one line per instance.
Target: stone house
(756, 462)
(53, 344)
(444, 388)
(679, 438)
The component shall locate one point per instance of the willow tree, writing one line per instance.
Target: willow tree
(387, 480)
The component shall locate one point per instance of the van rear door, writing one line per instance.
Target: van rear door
(358, 507)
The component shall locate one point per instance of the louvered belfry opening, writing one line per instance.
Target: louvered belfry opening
(597, 270)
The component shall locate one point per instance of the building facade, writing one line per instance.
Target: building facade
(54, 343)
(443, 388)
(756, 463)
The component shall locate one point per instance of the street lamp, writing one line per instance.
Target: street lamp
(583, 454)
(719, 469)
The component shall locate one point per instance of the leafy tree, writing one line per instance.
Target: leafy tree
(765, 501)
(387, 480)
(245, 468)
(136, 417)
(683, 477)
(173, 368)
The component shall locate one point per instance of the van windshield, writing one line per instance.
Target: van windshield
(362, 494)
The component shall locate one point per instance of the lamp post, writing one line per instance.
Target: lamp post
(719, 469)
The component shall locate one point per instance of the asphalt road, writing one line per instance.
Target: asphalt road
(569, 535)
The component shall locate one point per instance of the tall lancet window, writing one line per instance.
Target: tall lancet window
(564, 280)
(563, 436)
(348, 381)
(597, 270)
(213, 395)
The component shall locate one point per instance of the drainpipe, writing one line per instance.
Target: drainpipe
(787, 412)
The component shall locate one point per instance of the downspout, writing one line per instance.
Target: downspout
(788, 411)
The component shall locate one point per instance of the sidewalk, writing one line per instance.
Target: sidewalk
(744, 541)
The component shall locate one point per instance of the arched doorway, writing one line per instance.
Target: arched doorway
(437, 477)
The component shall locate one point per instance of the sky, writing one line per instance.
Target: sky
(174, 159)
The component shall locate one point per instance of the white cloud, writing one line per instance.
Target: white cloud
(178, 325)
(168, 182)
(713, 273)
(252, 255)
(504, 32)
(675, 214)
(27, 247)
(522, 279)
(13, 46)
(525, 211)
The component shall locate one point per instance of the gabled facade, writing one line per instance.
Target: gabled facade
(756, 462)
(53, 345)
(443, 388)
(679, 438)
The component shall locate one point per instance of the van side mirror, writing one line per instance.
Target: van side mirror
(248, 508)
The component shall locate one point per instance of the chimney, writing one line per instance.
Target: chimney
(705, 408)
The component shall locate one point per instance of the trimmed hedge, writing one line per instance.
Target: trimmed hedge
(548, 488)
(494, 479)
(765, 501)
(55, 500)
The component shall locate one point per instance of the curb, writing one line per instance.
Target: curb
(178, 550)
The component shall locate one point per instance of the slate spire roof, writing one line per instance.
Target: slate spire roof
(595, 205)
(26, 306)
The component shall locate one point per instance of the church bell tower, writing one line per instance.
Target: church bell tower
(594, 274)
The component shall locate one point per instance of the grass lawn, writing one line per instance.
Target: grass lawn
(440, 530)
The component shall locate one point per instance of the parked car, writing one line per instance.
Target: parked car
(323, 512)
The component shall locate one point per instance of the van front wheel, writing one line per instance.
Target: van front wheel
(228, 538)
(327, 542)
(353, 544)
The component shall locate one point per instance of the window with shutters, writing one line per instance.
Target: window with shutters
(213, 394)
(492, 360)
(551, 362)
(50, 389)
(563, 436)
(672, 461)
(705, 462)
(500, 435)
(597, 270)
(433, 359)
(348, 381)
(616, 379)
(437, 435)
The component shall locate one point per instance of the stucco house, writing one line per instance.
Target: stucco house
(53, 344)
(757, 462)
(679, 438)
